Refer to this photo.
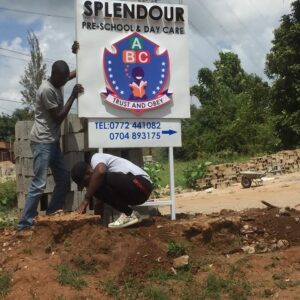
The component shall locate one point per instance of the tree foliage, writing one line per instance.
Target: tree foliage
(283, 66)
(235, 115)
(7, 123)
(34, 73)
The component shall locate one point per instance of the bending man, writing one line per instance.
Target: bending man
(114, 181)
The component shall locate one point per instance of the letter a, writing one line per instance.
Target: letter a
(136, 44)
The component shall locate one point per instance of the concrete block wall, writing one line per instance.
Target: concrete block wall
(74, 146)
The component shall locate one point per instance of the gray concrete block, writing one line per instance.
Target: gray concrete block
(73, 124)
(24, 149)
(147, 211)
(22, 130)
(72, 158)
(21, 196)
(110, 215)
(69, 202)
(18, 166)
(75, 142)
(17, 152)
(27, 166)
(136, 156)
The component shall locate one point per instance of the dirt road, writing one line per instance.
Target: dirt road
(282, 191)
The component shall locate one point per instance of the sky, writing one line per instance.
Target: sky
(244, 27)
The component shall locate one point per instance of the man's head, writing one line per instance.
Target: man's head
(60, 73)
(81, 174)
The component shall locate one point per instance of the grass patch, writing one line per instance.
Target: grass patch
(155, 294)
(5, 283)
(175, 249)
(68, 245)
(215, 287)
(67, 276)
(131, 288)
(8, 195)
(87, 267)
(204, 263)
(160, 275)
(110, 287)
(8, 218)
(179, 167)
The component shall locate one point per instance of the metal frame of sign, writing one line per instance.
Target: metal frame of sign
(172, 201)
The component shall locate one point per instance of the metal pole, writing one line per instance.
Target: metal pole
(172, 184)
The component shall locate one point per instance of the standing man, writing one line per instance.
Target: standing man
(50, 112)
(114, 181)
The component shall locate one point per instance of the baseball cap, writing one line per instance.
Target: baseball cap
(77, 173)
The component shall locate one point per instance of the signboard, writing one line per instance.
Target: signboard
(134, 133)
(133, 60)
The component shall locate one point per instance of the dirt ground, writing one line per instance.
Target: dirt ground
(280, 190)
(230, 247)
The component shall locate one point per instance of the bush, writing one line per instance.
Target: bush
(193, 172)
(8, 195)
(153, 169)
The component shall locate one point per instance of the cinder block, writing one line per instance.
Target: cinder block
(18, 166)
(73, 200)
(76, 124)
(136, 156)
(49, 184)
(23, 129)
(69, 202)
(25, 149)
(110, 215)
(72, 158)
(27, 166)
(19, 184)
(16, 150)
(75, 142)
(21, 200)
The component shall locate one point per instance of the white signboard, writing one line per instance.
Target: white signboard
(134, 133)
(133, 60)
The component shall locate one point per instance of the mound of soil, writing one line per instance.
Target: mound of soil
(113, 262)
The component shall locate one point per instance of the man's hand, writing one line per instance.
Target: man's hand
(82, 207)
(75, 47)
(77, 89)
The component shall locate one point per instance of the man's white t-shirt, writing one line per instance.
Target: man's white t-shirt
(117, 164)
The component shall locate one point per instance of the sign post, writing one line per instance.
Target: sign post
(133, 64)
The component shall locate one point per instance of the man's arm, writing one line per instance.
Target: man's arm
(75, 48)
(96, 180)
(59, 114)
(72, 75)
(94, 184)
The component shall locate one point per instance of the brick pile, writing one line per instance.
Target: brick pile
(226, 174)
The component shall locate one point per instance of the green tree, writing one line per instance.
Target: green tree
(234, 117)
(283, 66)
(7, 123)
(7, 127)
(34, 73)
